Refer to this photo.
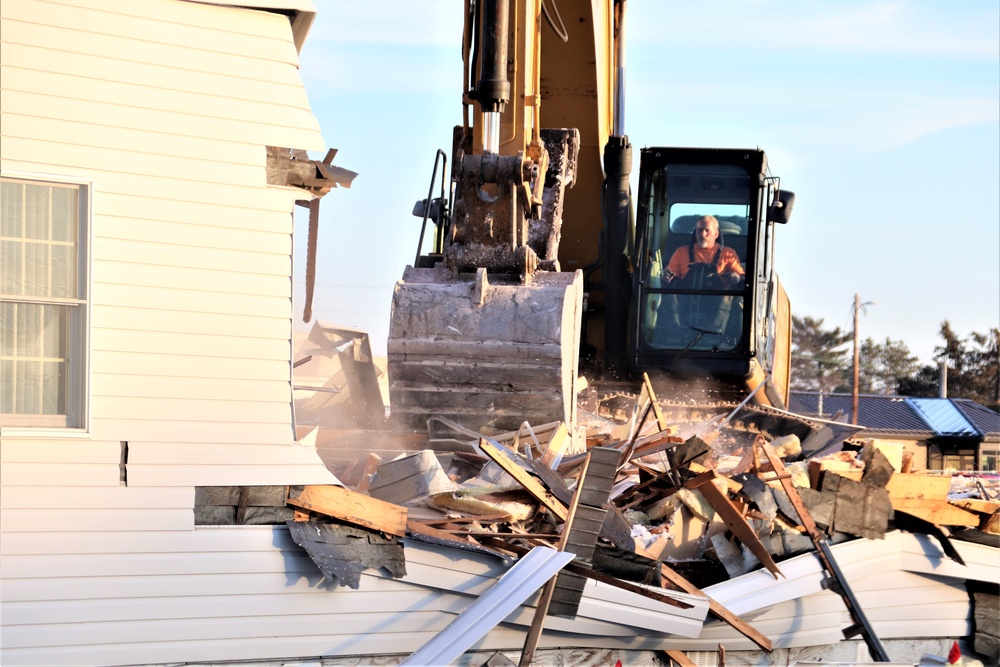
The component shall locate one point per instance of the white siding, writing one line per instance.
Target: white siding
(166, 108)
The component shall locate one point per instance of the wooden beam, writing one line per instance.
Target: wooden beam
(716, 608)
(938, 512)
(733, 518)
(371, 465)
(557, 444)
(680, 658)
(545, 599)
(349, 506)
(530, 484)
(661, 423)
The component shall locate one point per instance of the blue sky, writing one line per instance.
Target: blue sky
(882, 117)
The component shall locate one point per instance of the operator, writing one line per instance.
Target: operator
(705, 250)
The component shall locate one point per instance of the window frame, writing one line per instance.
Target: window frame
(76, 419)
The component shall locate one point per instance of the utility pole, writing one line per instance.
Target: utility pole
(857, 359)
(858, 306)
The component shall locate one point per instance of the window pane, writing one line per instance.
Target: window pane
(35, 360)
(36, 211)
(11, 260)
(62, 271)
(65, 206)
(7, 388)
(11, 204)
(42, 345)
(35, 272)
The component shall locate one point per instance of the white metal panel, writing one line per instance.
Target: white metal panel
(192, 300)
(193, 410)
(165, 430)
(218, 213)
(148, 274)
(39, 450)
(105, 384)
(203, 234)
(120, 497)
(175, 365)
(514, 587)
(149, 318)
(210, 475)
(272, 118)
(72, 520)
(148, 140)
(191, 344)
(151, 454)
(97, 59)
(45, 474)
(173, 255)
(96, 112)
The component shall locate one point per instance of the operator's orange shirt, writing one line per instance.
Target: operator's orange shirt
(729, 261)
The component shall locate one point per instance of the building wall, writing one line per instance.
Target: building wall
(165, 108)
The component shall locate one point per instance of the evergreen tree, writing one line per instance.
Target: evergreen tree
(819, 356)
(972, 364)
(884, 365)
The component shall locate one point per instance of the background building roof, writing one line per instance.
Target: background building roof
(884, 415)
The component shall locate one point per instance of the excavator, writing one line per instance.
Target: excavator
(546, 269)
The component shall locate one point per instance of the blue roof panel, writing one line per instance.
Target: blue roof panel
(943, 417)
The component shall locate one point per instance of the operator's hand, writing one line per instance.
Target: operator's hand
(733, 279)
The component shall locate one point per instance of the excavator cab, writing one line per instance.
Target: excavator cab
(705, 298)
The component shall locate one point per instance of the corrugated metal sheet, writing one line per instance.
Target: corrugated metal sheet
(878, 413)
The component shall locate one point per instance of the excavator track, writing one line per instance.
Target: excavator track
(816, 435)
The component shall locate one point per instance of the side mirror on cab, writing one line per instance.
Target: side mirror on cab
(781, 210)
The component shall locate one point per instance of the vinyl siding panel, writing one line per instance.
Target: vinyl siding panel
(149, 318)
(166, 108)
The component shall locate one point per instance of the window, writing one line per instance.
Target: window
(43, 307)
(695, 288)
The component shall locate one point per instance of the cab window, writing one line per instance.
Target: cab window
(696, 240)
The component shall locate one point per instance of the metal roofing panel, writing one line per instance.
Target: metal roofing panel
(942, 416)
(984, 419)
(876, 412)
(518, 584)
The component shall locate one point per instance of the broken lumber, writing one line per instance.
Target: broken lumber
(349, 506)
(861, 625)
(530, 484)
(732, 517)
(716, 607)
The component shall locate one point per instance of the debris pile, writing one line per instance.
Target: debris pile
(663, 511)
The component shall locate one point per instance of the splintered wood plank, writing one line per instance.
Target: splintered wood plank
(350, 506)
(989, 507)
(660, 421)
(918, 487)
(557, 445)
(371, 465)
(717, 608)
(733, 518)
(681, 658)
(938, 512)
(530, 484)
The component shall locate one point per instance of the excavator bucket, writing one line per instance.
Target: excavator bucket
(482, 352)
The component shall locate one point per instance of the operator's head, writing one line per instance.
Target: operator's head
(706, 231)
